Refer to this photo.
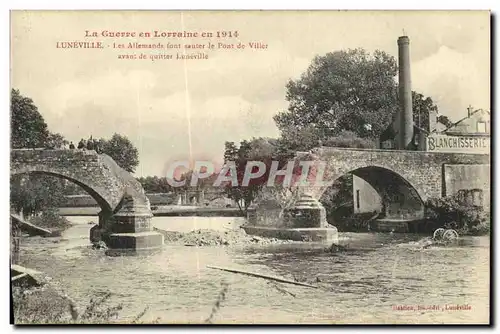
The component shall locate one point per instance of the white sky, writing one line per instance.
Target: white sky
(234, 94)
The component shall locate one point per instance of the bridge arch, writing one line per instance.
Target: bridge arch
(125, 218)
(95, 192)
(97, 174)
(397, 196)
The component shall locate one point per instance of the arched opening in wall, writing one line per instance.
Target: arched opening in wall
(371, 193)
(37, 196)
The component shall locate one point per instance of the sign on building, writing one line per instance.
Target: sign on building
(458, 144)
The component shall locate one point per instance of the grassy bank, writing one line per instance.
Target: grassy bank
(44, 305)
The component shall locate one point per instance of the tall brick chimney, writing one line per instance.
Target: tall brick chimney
(405, 101)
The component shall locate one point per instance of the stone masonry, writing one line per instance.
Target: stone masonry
(125, 217)
(424, 171)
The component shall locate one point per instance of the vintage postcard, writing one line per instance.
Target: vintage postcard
(250, 167)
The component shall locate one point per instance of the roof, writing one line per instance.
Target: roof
(456, 125)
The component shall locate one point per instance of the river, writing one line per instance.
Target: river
(365, 284)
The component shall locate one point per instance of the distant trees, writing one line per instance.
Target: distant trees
(155, 184)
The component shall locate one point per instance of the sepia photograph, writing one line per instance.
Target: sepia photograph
(250, 167)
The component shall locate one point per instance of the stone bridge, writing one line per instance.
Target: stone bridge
(125, 217)
(406, 179)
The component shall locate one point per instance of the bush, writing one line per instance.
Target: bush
(43, 305)
(451, 212)
(348, 139)
(51, 219)
(32, 307)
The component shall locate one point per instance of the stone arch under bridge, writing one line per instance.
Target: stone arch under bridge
(429, 174)
(125, 217)
(399, 199)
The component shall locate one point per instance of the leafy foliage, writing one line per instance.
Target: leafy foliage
(263, 150)
(51, 219)
(34, 192)
(348, 90)
(155, 184)
(348, 139)
(122, 151)
(45, 306)
(421, 108)
(445, 120)
(28, 128)
(343, 90)
(453, 212)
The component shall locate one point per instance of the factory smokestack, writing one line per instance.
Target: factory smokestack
(405, 101)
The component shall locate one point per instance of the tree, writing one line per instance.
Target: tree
(32, 193)
(347, 91)
(155, 184)
(56, 141)
(445, 120)
(421, 108)
(257, 149)
(343, 90)
(28, 128)
(452, 211)
(122, 151)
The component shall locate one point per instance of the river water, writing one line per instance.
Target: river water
(377, 274)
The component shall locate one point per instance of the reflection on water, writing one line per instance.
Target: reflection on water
(359, 285)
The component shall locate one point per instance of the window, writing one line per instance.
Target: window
(357, 199)
(481, 127)
(477, 197)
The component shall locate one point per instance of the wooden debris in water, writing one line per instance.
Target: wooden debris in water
(273, 278)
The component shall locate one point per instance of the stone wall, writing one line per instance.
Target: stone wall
(96, 173)
(467, 177)
(366, 198)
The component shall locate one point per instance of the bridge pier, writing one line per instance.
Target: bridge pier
(128, 231)
(303, 221)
